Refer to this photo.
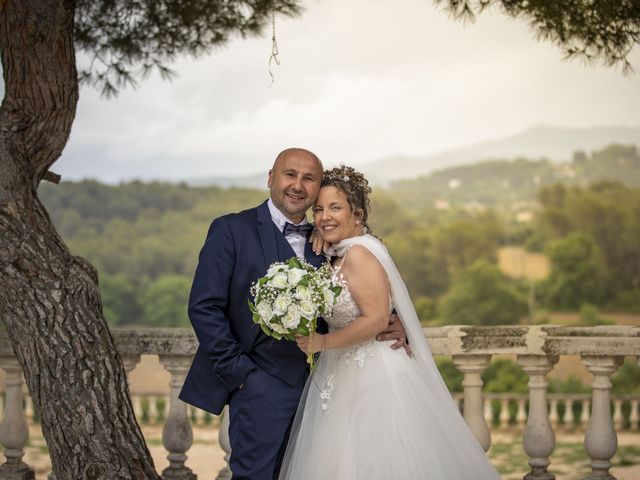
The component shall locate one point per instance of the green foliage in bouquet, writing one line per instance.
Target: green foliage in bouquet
(288, 300)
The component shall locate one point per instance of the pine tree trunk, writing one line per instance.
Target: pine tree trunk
(49, 299)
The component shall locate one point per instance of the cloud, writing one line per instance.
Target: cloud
(358, 81)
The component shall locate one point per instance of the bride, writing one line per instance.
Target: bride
(369, 412)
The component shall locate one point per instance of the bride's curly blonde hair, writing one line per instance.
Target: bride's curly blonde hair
(355, 187)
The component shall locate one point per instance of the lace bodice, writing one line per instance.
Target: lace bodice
(345, 309)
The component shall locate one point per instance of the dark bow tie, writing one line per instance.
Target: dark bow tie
(290, 228)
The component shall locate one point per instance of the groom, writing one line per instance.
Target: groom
(236, 363)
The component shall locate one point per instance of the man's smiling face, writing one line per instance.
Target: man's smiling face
(294, 182)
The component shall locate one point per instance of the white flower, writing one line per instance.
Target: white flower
(281, 304)
(279, 280)
(273, 269)
(278, 328)
(307, 309)
(303, 293)
(295, 275)
(264, 310)
(292, 318)
(328, 295)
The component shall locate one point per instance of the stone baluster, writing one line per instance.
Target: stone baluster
(472, 367)
(488, 411)
(618, 419)
(130, 360)
(177, 433)
(633, 415)
(569, 419)
(600, 440)
(504, 413)
(584, 416)
(521, 416)
(539, 440)
(153, 409)
(553, 412)
(225, 445)
(14, 431)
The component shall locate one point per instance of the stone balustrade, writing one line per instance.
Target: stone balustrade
(538, 413)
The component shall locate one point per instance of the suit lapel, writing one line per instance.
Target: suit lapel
(267, 232)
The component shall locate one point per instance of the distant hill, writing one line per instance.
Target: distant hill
(544, 142)
(257, 181)
(513, 184)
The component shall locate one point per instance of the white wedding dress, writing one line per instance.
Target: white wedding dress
(370, 412)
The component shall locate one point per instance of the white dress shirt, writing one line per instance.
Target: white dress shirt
(296, 241)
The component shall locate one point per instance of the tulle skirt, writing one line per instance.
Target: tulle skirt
(369, 412)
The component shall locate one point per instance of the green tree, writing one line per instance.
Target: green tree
(504, 375)
(627, 378)
(582, 28)
(483, 295)
(423, 269)
(121, 299)
(450, 374)
(578, 273)
(164, 301)
(125, 39)
(465, 240)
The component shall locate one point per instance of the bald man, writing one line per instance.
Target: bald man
(236, 363)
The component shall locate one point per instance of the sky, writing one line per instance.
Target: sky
(358, 80)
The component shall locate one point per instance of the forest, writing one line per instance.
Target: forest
(144, 239)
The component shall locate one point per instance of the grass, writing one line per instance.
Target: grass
(569, 460)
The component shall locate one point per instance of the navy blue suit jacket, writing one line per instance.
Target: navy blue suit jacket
(238, 250)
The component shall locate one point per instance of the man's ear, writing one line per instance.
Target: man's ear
(270, 179)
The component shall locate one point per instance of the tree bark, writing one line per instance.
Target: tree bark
(49, 299)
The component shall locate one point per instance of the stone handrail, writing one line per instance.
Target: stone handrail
(537, 349)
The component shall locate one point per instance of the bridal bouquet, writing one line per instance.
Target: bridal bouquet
(292, 295)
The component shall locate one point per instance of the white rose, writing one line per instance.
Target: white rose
(307, 309)
(295, 275)
(292, 318)
(329, 296)
(264, 310)
(278, 328)
(281, 304)
(274, 269)
(303, 293)
(279, 280)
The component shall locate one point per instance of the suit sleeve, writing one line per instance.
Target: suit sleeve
(207, 305)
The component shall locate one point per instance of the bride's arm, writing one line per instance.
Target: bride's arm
(370, 290)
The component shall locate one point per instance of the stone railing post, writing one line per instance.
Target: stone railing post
(600, 440)
(521, 416)
(585, 415)
(177, 433)
(568, 419)
(618, 419)
(539, 440)
(633, 415)
(472, 367)
(553, 412)
(14, 431)
(130, 360)
(225, 445)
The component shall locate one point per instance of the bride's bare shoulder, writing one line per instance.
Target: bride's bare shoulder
(359, 259)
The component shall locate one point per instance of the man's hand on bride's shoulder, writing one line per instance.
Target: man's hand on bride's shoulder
(319, 246)
(395, 331)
